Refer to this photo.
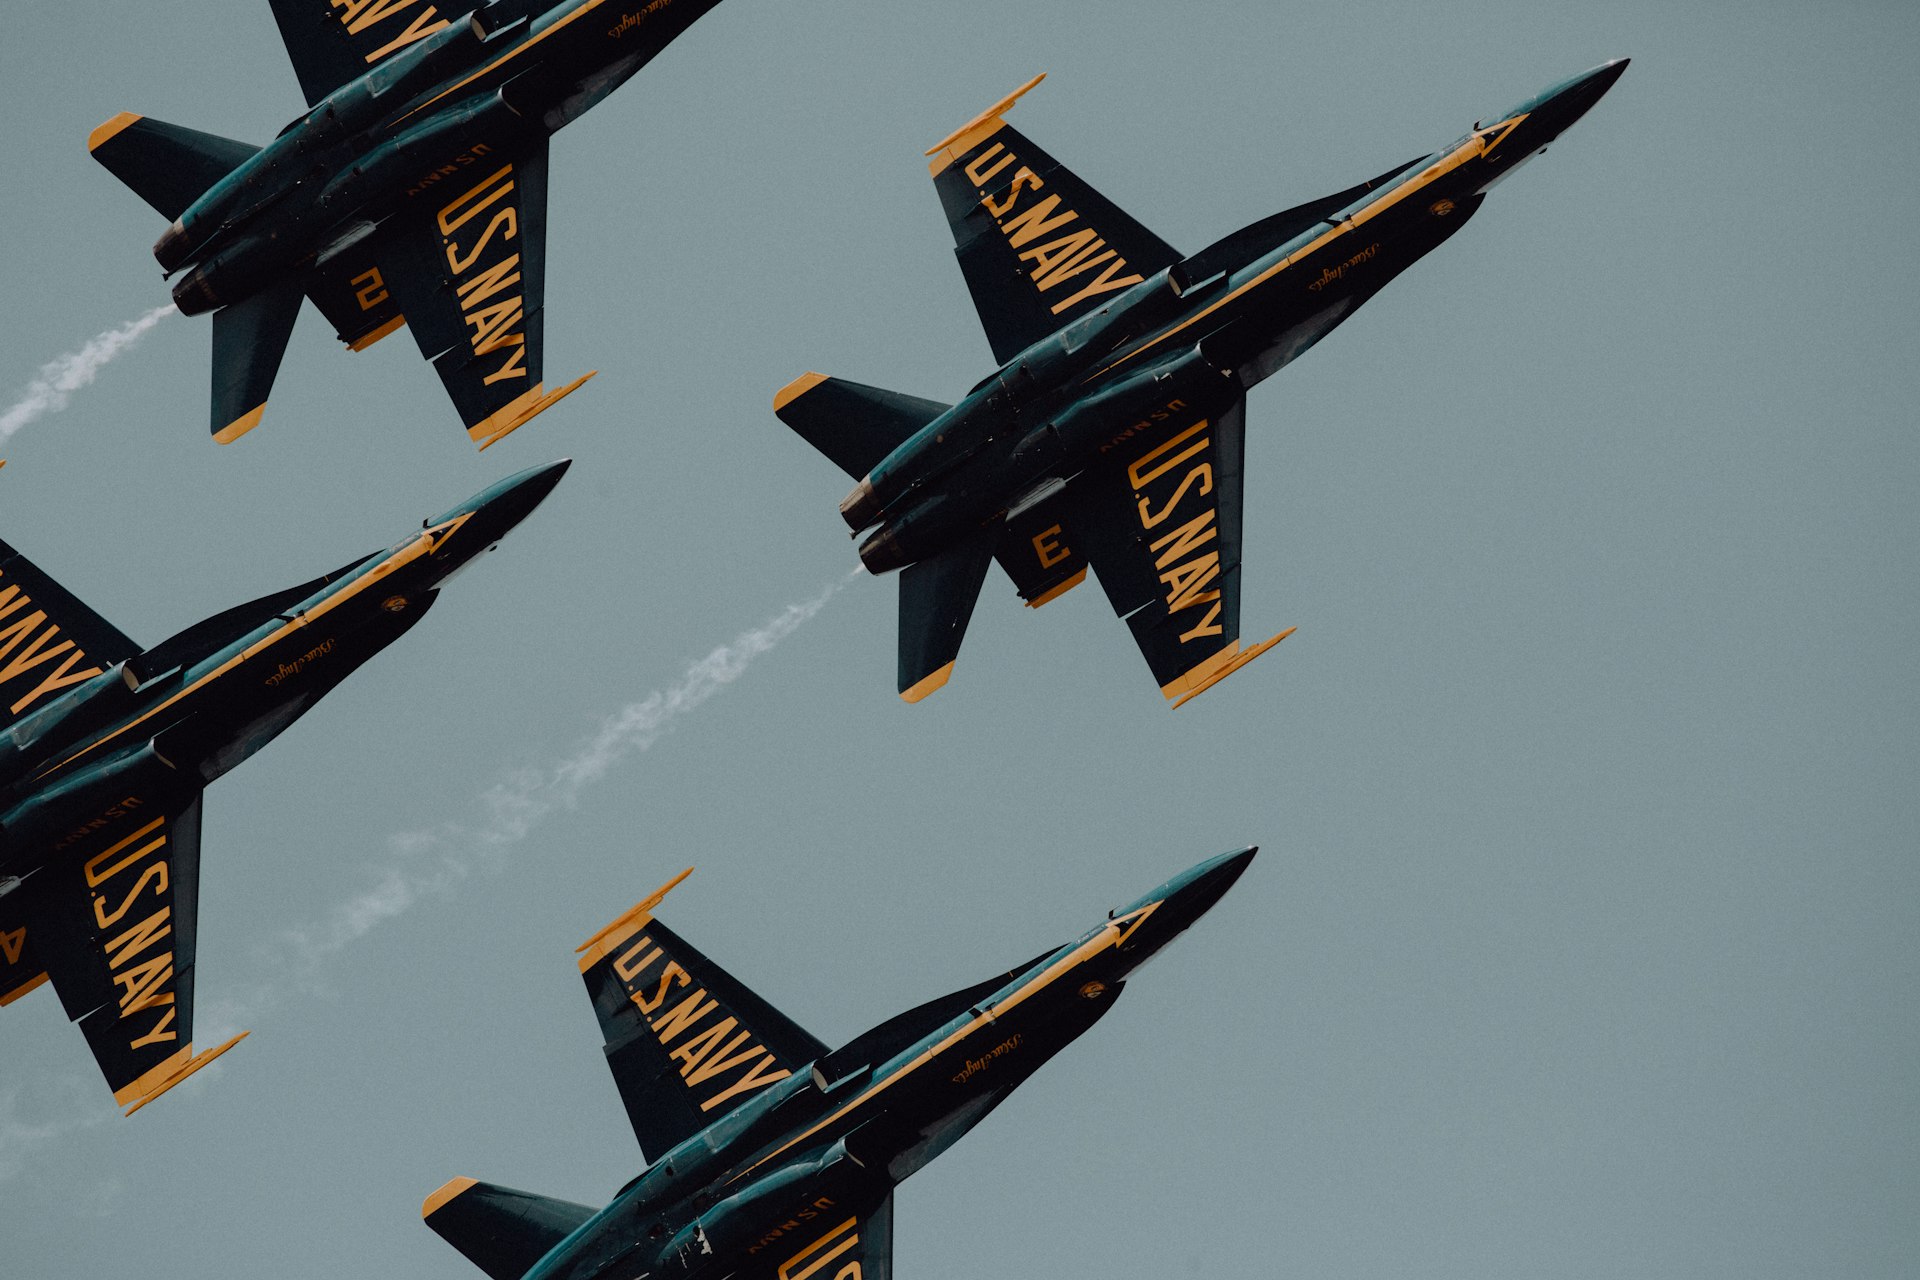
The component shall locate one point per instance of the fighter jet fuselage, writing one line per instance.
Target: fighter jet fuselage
(412, 193)
(430, 115)
(1181, 344)
(1112, 437)
(801, 1171)
(105, 749)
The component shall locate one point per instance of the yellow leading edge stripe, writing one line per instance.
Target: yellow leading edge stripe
(1114, 934)
(1475, 146)
(507, 57)
(422, 544)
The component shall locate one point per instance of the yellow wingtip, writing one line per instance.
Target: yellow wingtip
(1216, 669)
(990, 113)
(521, 410)
(106, 129)
(174, 1077)
(241, 425)
(625, 925)
(928, 684)
(795, 389)
(452, 1190)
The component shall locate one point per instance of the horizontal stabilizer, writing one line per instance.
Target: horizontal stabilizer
(249, 339)
(853, 424)
(501, 1231)
(167, 166)
(686, 1041)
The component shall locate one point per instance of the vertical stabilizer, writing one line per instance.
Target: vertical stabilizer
(249, 338)
(936, 603)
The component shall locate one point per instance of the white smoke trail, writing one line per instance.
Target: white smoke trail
(430, 862)
(61, 377)
(422, 864)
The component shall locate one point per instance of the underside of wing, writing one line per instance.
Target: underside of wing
(1038, 246)
(1161, 523)
(111, 920)
(332, 43)
(351, 291)
(830, 1247)
(686, 1041)
(1042, 552)
(467, 268)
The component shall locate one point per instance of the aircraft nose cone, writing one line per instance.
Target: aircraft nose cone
(1565, 103)
(1207, 883)
(513, 499)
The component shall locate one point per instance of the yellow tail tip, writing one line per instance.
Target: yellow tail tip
(241, 425)
(106, 129)
(795, 389)
(625, 925)
(928, 684)
(989, 116)
(451, 1191)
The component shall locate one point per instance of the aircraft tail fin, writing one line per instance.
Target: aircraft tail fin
(499, 1230)
(54, 640)
(167, 166)
(249, 338)
(1039, 246)
(936, 602)
(686, 1041)
(853, 424)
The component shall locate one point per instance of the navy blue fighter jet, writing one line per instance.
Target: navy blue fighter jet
(105, 748)
(1113, 433)
(414, 190)
(773, 1158)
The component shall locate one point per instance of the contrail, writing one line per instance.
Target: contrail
(431, 861)
(60, 378)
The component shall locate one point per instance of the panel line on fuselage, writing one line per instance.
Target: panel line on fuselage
(1113, 933)
(506, 57)
(1475, 147)
(398, 560)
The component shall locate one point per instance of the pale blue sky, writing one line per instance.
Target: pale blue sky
(1583, 943)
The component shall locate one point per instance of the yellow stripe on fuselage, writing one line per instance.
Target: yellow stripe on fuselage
(405, 556)
(505, 58)
(1474, 147)
(1115, 932)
